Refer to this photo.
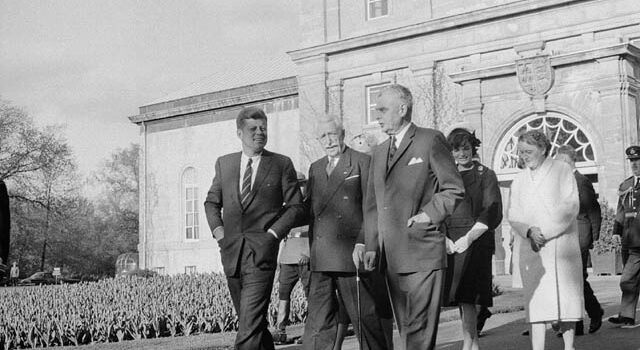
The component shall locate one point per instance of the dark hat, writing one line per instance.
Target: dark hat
(633, 152)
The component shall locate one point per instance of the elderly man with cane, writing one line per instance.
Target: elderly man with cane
(334, 202)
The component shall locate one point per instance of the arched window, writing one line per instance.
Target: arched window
(190, 200)
(560, 129)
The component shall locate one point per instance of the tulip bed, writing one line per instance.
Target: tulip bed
(120, 309)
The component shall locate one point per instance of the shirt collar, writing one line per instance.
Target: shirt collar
(400, 134)
(335, 159)
(245, 158)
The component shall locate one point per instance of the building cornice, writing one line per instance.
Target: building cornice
(432, 26)
(625, 49)
(218, 99)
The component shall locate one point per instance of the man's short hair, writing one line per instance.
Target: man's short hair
(536, 138)
(403, 94)
(568, 151)
(249, 113)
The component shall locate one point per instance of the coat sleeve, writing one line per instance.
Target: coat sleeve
(450, 188)
(213, 202)
(5, 221)
(516, 213)
(371, 212)
(594, 212)
(563, 209)
(364, 165)
(619, 220)
(491, 214)
(292, 197)
(308, 205)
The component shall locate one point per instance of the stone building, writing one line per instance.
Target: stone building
(570, 68)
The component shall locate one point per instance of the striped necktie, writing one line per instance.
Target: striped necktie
(392, 150)
(246, 183)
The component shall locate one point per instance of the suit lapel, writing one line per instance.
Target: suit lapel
(337, 177)
(266, 160)
(406, 141)
(235, 174)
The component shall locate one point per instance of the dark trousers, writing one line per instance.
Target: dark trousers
(591, 304)
(251, 291)
(630, 282)
(416, 304)
(321, 326)
(289, 275)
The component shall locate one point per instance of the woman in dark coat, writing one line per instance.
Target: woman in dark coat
(470, 236)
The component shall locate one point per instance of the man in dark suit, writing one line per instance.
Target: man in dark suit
(5, 228)
(259, 193)
(335, 194)
(589, 221)
(626, 229)
(413, 186)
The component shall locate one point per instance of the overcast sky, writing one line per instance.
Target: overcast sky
(89, 64)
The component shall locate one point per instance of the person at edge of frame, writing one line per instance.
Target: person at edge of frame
(626, 230)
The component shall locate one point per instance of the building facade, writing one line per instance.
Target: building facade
(570, 68)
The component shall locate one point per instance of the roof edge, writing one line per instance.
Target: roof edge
(218, 99)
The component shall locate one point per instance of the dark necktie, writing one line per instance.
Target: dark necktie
(246, 183)
(392, 149)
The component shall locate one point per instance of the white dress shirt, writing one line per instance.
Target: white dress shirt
(244, 159)
(400, 134)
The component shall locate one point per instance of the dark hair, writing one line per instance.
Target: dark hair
(404, 94)
(536, 138)
(249, 113)
(569, 151)
(458, 137)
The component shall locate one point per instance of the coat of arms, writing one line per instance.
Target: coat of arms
(535, 74)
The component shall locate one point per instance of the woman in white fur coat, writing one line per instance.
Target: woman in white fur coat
(543, 210)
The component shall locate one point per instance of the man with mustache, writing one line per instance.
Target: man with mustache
(259, 193)
(335, 197)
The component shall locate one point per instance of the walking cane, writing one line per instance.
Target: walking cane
(361, 340)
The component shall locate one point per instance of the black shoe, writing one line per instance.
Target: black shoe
(621, 320)
(596, 323)
(483, 315)
(525, 332)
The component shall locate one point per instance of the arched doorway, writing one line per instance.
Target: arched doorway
(561, 130)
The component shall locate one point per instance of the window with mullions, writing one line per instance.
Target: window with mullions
(377, 8)
(372, 94)
(190, 199)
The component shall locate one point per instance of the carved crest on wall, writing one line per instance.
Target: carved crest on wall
(535, 74)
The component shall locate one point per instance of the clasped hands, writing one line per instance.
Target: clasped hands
(536, 238)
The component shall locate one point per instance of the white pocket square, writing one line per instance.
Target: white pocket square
(415, 160)
(352, 177)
